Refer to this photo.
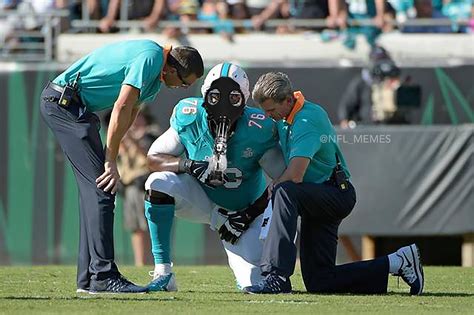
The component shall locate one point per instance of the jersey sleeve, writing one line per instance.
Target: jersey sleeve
(143, 70)
(184, 113)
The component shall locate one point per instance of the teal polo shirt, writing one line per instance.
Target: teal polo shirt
(103, 72)
(308, 132)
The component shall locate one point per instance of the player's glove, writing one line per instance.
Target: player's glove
(198, 169)
(239, 221)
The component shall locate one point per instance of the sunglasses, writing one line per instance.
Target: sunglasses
(175, 64)
(180, 77)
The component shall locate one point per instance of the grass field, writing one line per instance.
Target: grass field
(211, 290)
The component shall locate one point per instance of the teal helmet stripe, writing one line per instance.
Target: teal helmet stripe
(225, 69)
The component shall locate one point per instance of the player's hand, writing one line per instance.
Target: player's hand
(109, 180)
(198, 169)
(237, 223)
(192, 167)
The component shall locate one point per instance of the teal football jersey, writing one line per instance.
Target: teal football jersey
(254, 135)
(311, 135)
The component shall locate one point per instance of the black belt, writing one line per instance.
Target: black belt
(60, 89)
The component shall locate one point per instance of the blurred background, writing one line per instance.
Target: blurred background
(396, 77)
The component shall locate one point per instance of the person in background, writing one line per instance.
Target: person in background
(425, 9)
(149, 11)
(340, 13)
(216, 12)
(369, 97)
(310, 9)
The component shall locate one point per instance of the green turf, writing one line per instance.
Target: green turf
(211, 290)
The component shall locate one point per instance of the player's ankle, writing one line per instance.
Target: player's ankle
(163, 268)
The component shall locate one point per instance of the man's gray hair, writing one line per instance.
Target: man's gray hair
(272, 85)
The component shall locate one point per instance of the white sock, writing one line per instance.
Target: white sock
(162, 269)
(394, 263)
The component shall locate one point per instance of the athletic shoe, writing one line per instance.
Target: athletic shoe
(272, 284)
(115, 284)
(82, 290)
(411, 270)
(163, 282)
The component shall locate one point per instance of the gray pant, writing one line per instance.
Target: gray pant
(77, 132)
(322, 208)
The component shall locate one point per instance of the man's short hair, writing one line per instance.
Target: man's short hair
(187, 61)
(272, 85)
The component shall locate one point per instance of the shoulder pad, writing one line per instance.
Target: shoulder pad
(186, 112)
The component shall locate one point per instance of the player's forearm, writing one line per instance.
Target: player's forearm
(163, 162)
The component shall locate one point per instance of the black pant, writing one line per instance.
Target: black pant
(322, 208)
(77, 132)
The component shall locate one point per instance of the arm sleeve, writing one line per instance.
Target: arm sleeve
(273, 162)
(167, 143)
(142, 70)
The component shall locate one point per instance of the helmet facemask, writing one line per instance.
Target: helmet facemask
(224, 103)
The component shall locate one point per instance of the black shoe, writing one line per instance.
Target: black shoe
(115, 284)
(272, 284)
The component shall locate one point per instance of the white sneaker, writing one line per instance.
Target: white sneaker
(411, 269)
(162, 282)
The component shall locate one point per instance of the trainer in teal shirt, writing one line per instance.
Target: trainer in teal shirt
(103, 72)
(118, 76)
(314, 190)
(308, 132)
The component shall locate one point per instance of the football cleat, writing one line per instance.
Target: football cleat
(163, 282)
(411, 270)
